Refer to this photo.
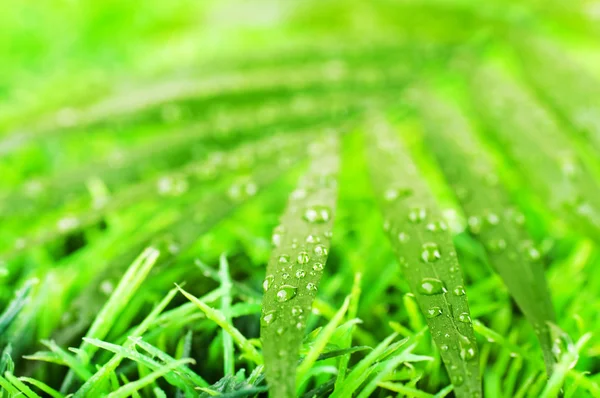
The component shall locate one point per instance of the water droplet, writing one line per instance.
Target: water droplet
(317, 214)
(285, 276)
(458, 380)
(311, 287)
(492, 219)
(496, 245)
(464, 317)
(430, 286)
(403, 237)
(269, 317)
(430, 252)
(467, 348)
(276, 240)
(433, 312)
(533, 254)
(459, 290)
(396, 193)
(444, 347)
(300, 274)
(328, 234)
(286, 293)
(318, 267)
(268, 282)
(437, 226)
(312, 239)
(297, 310)
(474, 224)
(417, 215)
(283, 259)
(280, 331)
(320, 250)
(303, 258)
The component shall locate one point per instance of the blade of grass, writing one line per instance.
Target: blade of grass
(352, 311)
(174, 378)
(296, 265)
(130, 388)
(491, 215)
(102, 374)
(228, 358)
(42, 386)
(426, 253)
(217, 316)
(359, 372)
(26, 391)
(128, 285)
(532, 137)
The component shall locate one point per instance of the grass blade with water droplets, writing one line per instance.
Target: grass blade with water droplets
(296, 265)
(426, 253)
(492, 219)
(534, 140)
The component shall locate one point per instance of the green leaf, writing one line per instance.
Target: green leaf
(491, 215)
(420, 237)
(296, 265)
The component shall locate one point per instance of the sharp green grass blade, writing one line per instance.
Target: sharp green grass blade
(296, 265)
(26, 391)
(217, 316)
(534, 140)
(174, 378)
(385, 368)
(127, 287)
(359, 373)
(491, 215)
(167, 359)
(319, 345)
(42, 386)
(426, 253)
(131, 388)
(102, 374)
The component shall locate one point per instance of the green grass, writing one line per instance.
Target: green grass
(300, 199)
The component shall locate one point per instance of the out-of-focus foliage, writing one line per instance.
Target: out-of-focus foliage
(209, 144)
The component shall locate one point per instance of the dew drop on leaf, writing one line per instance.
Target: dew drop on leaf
(436, 226)
(474, 224)
(464, 317)
(317, 214)
(492, 219)
(430, 252)
(431, 286)
(284, 259)
(268, 282)
(417, 215)
(311, 287)
(297, 310)
(318, 267)
(496, 245)
(403, 237)
(303, 258)
(300, 274)
(459, 290)
(467, 348)
(320, 250)
(286, 293)
(269, 317)
(433, 312)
